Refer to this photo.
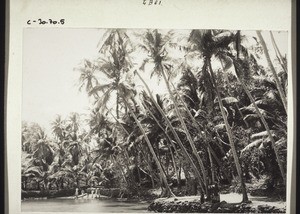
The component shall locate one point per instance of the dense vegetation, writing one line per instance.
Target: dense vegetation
(220, 117)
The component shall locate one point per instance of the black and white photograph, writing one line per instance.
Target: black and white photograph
(144, 106)
(141, 120)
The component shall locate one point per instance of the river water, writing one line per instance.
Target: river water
(83, 205)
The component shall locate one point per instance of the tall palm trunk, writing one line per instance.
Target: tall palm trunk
(189, 137)
(117, 105)
(278, 54)
(173, 163)
(279, 87)
(211, 166)
(197, 126)
(183, 149)
(169, 192)
(253, 101)
(169, 141)
(236, 105)
(126, 155)
(146, 159)
(265, 125)
(137, 159)
(229, 133)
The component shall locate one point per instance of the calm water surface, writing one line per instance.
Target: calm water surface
(83, 205)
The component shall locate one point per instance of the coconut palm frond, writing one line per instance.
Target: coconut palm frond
(262, 134)
(255, 143)
(252, 110)
(99, 88)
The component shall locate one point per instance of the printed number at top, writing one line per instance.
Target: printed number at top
(152, 2)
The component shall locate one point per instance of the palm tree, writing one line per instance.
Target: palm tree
(116, 48)
(31, 134)
(43, 151)
(155, 45)
(174, 133)
(199, 129)
(108, 150)
(278, 54)
(28, 169)
(114, 67)
(126, 93)
(58, 128)
(159, 131)
(87, 77)
(209, 43)
(279, 87)
(239, 70)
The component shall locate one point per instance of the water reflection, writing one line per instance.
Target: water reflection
(83, 205)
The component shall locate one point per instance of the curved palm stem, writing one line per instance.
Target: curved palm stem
(126, 155)
(189, 137)
(197, 126)
(263, 120)
(236, 104)
(162, 173)
(279, 87)
(279, 56)
(185, 153)
(229, 134)
(169, 140)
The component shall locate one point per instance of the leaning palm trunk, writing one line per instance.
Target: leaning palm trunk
(126, 155)
(278, 54)
(211, 166)
(279, 87)
(189, 137)
(147, 161)
(117, 105)
(169, 141)
(209, 149)
(264, 123)
(183, 149)
(229, 134)
(169, 192)
(236, 105)
(174, 163)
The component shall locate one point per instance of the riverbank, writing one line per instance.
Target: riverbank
(229, 204)
(90, 193)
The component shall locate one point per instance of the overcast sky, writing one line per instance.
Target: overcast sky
(49, 79)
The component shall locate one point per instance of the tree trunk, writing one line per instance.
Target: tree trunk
(229, 134)
(185, 153)
(265, 125)
(169, 193)
(168, 138)
(174, 163)
(211, 166)
(117, 105)
(189, 137)
(236, 105)
(279, 87)
(126, 155)
(197, 126)
(146, 159)
(279, 56)
(138, 169)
